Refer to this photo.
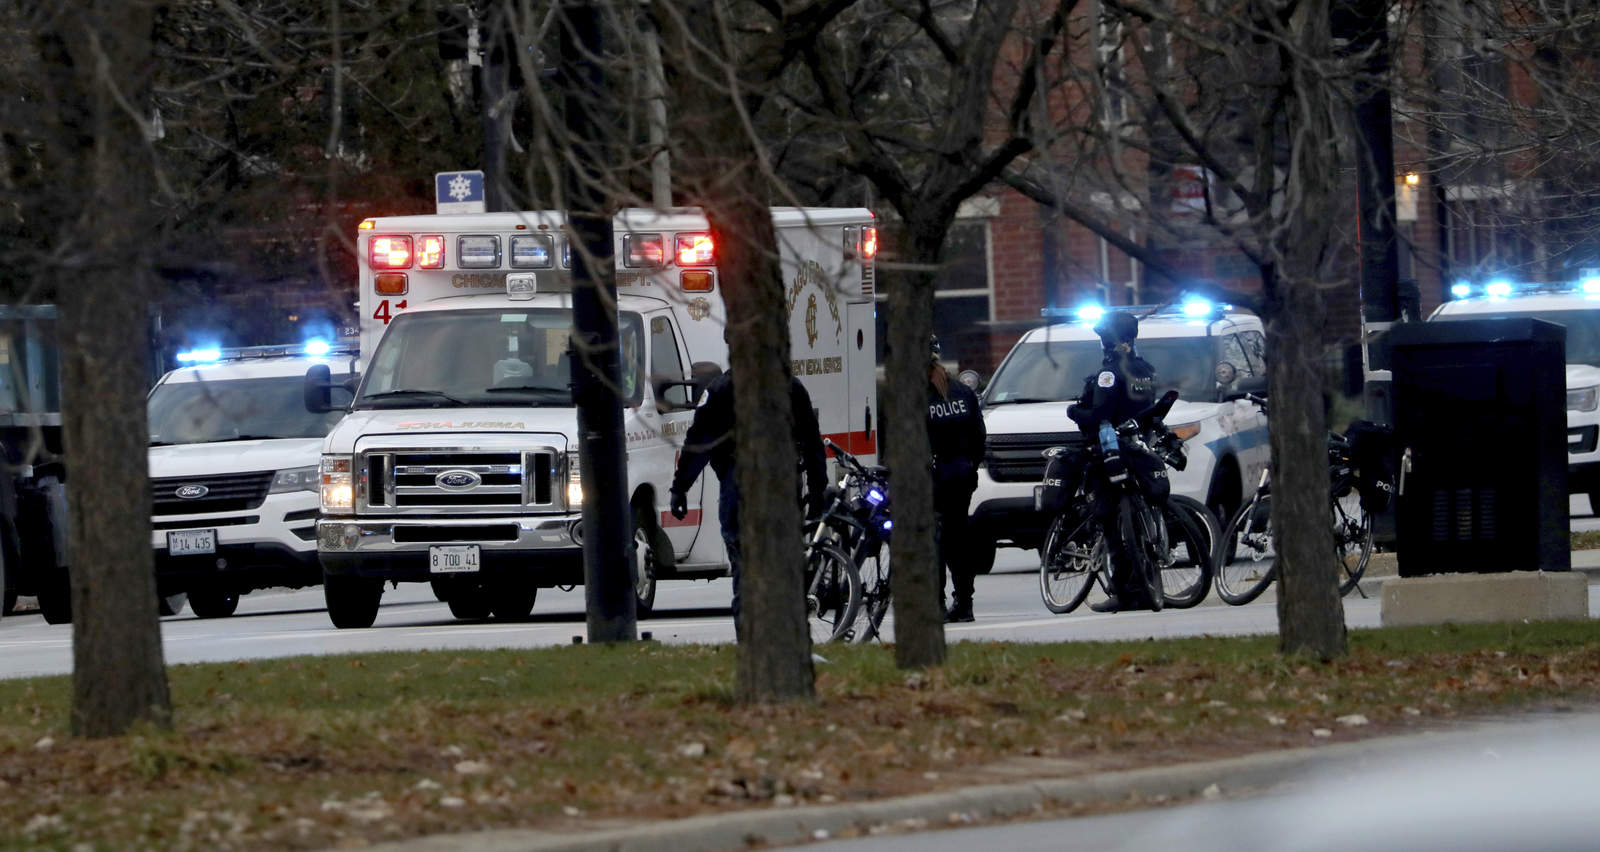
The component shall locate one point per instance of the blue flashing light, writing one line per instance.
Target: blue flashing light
(317, 348)
(1461, 289)
(1498, 289)
(888, 525)
(1091, 313)
(1590, 286)
(1198, 307)
(875, 497)
(199, 356)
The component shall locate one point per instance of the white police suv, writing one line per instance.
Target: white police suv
(233, 472)
(1576, 306)
(1201, 350)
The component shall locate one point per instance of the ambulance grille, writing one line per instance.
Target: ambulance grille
(461, 480)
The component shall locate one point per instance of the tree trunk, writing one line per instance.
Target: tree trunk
(118, 677)
(1310, 613)
(774, 662)
(916, 583)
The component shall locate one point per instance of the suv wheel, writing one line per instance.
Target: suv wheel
(213, 603)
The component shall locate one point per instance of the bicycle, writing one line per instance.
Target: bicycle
(850, 532)
(1359, 485)
(1075, 556)
(1170, 543)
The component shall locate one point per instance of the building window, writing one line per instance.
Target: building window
(963, 294)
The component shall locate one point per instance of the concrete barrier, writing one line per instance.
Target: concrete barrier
(1477, 598)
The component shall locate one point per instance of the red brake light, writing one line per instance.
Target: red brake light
(695, 250)
(430, 252)
(869, 243)
(391, 252)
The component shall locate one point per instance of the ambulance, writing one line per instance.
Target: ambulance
(456, 462)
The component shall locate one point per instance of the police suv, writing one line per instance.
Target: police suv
(233, 472)
(1576, 306)
(1202, 350)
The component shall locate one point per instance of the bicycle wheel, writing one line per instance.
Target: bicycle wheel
(874, 572)
(833, 593)
(1352, 538)
(1249, 572)
(1144, 535)
(1192, 536)
(1072, 551)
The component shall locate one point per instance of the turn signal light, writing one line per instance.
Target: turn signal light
(695, 282)
(390, 283)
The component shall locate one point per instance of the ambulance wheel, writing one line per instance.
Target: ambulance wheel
(512, 600)
(352, 601)
(55, 600)
(470, 602)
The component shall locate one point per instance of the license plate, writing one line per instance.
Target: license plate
(453, 559)
(191, 542)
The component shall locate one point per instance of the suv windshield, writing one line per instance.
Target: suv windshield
(233, 410)
(1583, 329)
(517, 357)
(1054, 370)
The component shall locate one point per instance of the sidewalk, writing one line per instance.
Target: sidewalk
(1239, 776)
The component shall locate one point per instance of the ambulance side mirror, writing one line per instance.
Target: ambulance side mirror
(672, 395)
(319, 387)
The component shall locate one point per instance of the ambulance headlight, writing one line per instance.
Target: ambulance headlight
(338, 489)
(574, 481)
(296, 479)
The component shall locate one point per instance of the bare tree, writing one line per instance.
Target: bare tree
(99, 70)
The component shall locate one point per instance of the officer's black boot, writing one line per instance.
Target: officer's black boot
(1110, 604)
(961, 612)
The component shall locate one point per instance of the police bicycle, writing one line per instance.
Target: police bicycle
(1359, 486)
(847, 553)
(1169, 545)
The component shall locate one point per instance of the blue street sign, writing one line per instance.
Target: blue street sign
(458, 192)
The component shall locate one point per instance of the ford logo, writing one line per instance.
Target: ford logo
(458, 480)
(192, 492)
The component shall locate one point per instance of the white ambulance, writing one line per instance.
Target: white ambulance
(457, 462)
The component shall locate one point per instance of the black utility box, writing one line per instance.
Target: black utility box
(1480, 415)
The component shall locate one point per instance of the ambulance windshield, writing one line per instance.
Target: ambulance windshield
(487, 357)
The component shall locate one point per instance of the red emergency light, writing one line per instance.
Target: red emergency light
(430, 252)
(695, 250)
(869, 243)
(391, 252)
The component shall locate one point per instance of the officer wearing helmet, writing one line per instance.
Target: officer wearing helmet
(956, 436)
(1124, 387)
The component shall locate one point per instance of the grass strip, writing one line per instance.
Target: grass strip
(346, 750)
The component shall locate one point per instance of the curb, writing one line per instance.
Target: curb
(741, 830)
(1374, 585)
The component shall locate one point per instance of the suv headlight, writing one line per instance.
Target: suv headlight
(1583, 399)
(574, 481)
(338, 493)
(295, 479)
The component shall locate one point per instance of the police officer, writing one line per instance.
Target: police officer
(956, 435)
(1124, 387)
(710, 440)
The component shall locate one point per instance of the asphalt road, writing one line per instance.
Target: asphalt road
(282, 623)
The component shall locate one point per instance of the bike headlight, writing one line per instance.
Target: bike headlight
(1185, 431)
(875, 497)
(1583, 399)
(338, 491)
(574, 482)
(296, 479)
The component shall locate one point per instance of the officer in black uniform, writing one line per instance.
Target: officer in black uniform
(956, 435)
(1124, 387)
(710, 440)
